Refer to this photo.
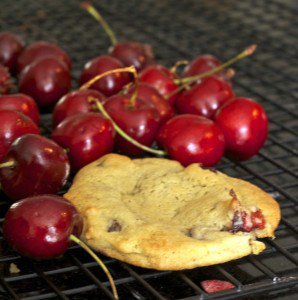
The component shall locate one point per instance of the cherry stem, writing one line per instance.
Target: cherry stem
(122, 133)
(99, 261)
(188, 80)
(7, 164)
(178, 64)
(97, 16)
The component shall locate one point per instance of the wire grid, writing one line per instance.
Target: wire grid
(180, 30)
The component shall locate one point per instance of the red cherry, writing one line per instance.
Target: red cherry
(150, 94)
(39, 50)
(205, 98)
(46, 80)
(162, 79)
(140, 121)
(4, 80)
(40, 227)
(192, 139)
(39, 166)
(11, 46)
(74, 103)
(22, 103)
(110, 84)
(133, 54)
(244, 124)
(14, 125)
(86, 136)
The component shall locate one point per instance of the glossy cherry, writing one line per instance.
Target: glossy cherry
(42, 49)
(110, 84)
(205, 97)
(4, 80)
(39, 166)
(74, 103)
(139, 120)
(244, 124)
(40, 227)
(46, 80)
(133, 54)
(192, 139)
(162, 79)
(86, 136)
(13, 125)
(11, 45)
(150, 94)
(22, 103)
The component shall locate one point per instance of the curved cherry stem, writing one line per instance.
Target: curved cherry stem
(179, 63)
(124, 134)
(188, 80)
(7, 164)
(99, 261)
(97, 16)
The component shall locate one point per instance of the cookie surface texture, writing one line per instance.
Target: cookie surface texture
(154, 213)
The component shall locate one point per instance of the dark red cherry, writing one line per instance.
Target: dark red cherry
(133, 54)
(192, 139)
(150, 94)
(204, 98)
(42, 49)
(74, 103)
(162, 79)
(22, 103)
(110, 84)
(40, 227)
(139, 120)
(86, 136)
(4, 80)
(11, 46)
(13, 125)
(46, 80)
(39, 166)
(244, 124)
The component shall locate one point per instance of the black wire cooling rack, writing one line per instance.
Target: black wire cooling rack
(180, 30)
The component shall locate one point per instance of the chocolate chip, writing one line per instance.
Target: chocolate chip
(115, 226)
(233, 194)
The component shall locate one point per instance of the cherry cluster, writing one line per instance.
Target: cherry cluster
(126, 103)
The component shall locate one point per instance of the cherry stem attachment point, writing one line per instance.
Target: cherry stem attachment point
(7, 164)
(124, 134)
(188, 80)
(99, 261)
(97, 16)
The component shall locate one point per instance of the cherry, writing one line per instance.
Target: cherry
(74, 103)
(162, 79)
(4, 80)
(40, 227)
(11, 46)
(204, 98)
(150, 94)
(86, 136)
(139, 120)
(33, 165)
(192, 139)
(22, 103)
(42, 49)
(244, 124)
(14, 125)
(46, 80)
(110, 84)
(133, 54)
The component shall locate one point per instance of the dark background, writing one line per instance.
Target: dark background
(181, 30)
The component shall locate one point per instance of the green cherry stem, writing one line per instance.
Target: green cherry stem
(7, 164)
(97, 16)
(99, 261)
(122, 133)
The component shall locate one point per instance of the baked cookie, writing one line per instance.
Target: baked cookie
(154, 213)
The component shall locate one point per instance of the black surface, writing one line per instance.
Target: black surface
(181, 30)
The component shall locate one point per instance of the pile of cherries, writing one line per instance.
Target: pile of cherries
(191, 117)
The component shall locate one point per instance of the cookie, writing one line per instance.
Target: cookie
(154, 213)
